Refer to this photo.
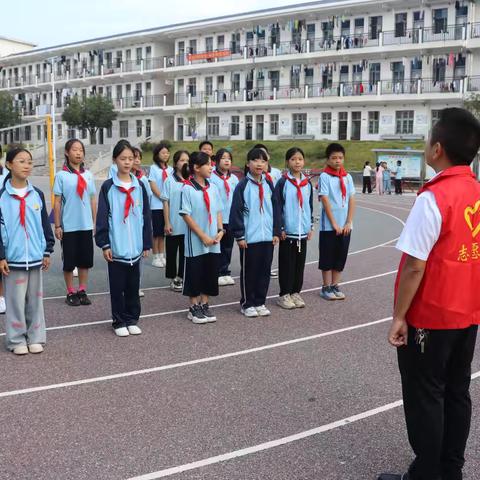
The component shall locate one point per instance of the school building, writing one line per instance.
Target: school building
(348, 69)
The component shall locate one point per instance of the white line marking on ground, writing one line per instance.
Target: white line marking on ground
(214, 358)
(273, 443)
(228, 304)
(59, 297)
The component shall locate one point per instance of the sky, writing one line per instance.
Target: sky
(53, 22)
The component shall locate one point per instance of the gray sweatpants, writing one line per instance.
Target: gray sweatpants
(24, 319)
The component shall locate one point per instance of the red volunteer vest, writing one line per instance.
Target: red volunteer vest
(448, 297)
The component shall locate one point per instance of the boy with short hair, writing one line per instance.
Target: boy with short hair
(206, 147)
(398, 178)
(336, 193)
(437, 305)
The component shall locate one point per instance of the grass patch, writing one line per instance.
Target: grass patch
(357, 152)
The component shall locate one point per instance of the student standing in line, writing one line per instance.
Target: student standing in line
(3, 175)
(207, 147)
(123, 232)
(26, 243)
(74, 210)
(437, 305)
(367, 178)
(293, 213)
(398, 178)
(387, 180)
(202, 212)
(174, 225)
(137, 170)
(379, 179)
(336, 193)
(226, 183)
(251, 221)
(159, 173)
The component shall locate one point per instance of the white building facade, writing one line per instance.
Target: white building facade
(336, 70)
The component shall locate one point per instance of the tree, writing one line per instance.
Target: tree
(194, 117)
(9, 115)
(472, 104)
(91, 113)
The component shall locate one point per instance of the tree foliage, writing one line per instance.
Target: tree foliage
(90, 113)
(9, 115)
(472, 104)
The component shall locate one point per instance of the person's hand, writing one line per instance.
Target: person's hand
(242, 244)
(398, 334)
(310, 235)
(338, 230)
(209, 241)
(146, 253)
(168, 229)
(283, 235)
(219, 236)
(275, 240)
(45, 263)
(347, 229)
(4, 270)
(107, 255)
(59, 233)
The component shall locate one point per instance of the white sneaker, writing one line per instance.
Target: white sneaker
(20, 350)
(230, 280)
(286, 302)
(141, 293)
(297, 300)
(134, 330)
(3, 306)
(223, 281)
(274, 273)
(75, 272)
(35, 348)
(122, 332)
(162, 261)
(156, 260)
(250, 312)
(263, 311)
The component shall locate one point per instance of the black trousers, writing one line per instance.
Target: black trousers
(398, 186)
(437, 401)
(174, 244)
(124, 282)
(367, 184)
(256, 262)
(291, 265)
(226, 247)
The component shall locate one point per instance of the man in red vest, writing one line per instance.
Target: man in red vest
(437, 303)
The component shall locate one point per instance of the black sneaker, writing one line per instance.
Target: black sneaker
(196, 315)
(82, 296)
(208, 313)
(72, 300)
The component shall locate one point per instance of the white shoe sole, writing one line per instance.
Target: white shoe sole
(249, 315)
(197, 321)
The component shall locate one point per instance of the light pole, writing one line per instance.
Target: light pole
(52, 113)
(206, 117)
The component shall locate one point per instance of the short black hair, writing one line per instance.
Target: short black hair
(333, 148)
(458, 132)
(156, 151)
(261, 145)
(399, 162)
(205, 142)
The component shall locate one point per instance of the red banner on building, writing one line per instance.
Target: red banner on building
(208, 55)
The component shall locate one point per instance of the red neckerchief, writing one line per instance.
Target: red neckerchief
(81, 183)
(206, 197)
(164, 173)
(129, 203)
(181, 180)
(139, 173)
(268, 177)
(23, 209)
(260, 190)
(340, 174)
(298, 186)
(225, 180)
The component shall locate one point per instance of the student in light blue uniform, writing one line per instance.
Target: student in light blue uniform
(3, 175)
(159, 172)
(26, 242)
(226, 183)
(201, 210)
(336, 193)
(74, 210)
(398, 178)
(123, 232)
(251, 221)
(174, 224)
(293, 211)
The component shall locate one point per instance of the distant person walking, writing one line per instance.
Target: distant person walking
(367, 178)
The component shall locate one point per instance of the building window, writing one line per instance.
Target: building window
(404, 122)
(435, 116)
(83, 133)
(148, 128)
(235, 125)
(440, 20)
(400, 24)
(299, 123)
(59, 131)
(139, 128)
(28, 132)
(109, 132)
(123, 124)
(274, 124)
(213, 126)
(326, 123)
(209, 86)
(373, 122)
